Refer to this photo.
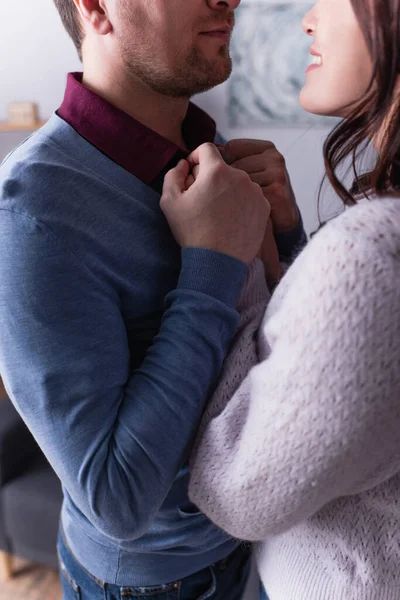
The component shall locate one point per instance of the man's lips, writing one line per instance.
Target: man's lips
(220, 32)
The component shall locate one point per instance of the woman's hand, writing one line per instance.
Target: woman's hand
(266, 166)
(270, 257)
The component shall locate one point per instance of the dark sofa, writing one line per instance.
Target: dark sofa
(30, 493)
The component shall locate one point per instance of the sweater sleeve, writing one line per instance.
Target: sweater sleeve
(244, 350)
(319, 417)
(115, 438)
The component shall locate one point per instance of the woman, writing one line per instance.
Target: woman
(305, 457)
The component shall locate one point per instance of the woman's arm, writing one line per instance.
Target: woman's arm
(319, 418)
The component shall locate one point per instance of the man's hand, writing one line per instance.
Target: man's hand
(219, 208)
(266, 166)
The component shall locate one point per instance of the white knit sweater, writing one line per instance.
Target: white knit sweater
(306, 455)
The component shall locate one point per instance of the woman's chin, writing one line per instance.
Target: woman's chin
(316, 106)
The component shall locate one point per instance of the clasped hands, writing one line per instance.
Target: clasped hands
(233, 199)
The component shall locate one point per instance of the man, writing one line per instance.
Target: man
(111, 338)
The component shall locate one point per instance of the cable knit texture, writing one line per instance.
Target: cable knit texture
(306, 454)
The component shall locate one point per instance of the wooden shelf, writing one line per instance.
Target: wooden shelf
(10, 127)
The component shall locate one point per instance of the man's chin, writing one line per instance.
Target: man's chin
(214, 75)
(195, 78)
(205, 86)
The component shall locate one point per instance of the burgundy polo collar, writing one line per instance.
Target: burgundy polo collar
(132, 145)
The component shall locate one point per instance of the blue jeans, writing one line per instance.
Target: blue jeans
(263, 594)
(224, 580)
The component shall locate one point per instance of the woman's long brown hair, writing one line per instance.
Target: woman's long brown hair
(380, 24)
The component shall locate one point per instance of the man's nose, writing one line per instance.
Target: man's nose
(223, 4)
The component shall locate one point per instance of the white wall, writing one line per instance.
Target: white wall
(36, 54)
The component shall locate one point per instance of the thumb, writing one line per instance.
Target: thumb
(175, 179)
(206, 153)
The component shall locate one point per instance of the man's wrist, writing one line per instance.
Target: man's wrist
(212, 273)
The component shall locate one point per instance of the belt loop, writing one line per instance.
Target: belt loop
(213, 587)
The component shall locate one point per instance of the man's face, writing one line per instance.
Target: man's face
(177, 47)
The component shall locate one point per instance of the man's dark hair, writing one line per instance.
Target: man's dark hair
(70, 18)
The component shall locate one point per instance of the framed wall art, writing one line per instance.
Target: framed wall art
(270, 54)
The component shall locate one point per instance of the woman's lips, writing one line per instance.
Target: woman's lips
(312, 68)
(316, 62)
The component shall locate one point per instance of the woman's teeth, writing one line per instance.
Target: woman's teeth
(316, 60)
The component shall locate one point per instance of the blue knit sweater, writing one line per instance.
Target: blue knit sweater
(111, 341)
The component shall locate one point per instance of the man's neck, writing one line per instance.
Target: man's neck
(160, 113)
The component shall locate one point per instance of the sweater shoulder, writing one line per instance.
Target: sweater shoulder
(44, 148)
(56, 174)
(360, 246)
(368, 221)
(368, 232)
(37, 171)
(365, 236)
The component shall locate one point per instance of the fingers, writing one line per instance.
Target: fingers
(252, 164)
(175, 179)
(196, 171)
(236, 149)
(189, 181)
(269, 182)
(193, 175)
(207, 153)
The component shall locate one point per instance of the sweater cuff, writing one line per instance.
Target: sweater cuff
(212, 273)
(289, 243)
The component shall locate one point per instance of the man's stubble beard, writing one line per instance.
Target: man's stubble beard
(194, 73)
(189, 74)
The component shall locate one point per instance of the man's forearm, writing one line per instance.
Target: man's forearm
(116, 439)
